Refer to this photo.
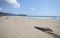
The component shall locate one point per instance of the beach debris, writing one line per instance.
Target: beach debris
(44, 29)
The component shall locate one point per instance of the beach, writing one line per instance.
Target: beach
(20, 27)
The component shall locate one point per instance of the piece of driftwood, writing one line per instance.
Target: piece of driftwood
(47, 31)
(44, 29)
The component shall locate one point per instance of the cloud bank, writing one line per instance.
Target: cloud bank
(13, 3)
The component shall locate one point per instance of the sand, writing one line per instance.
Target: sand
(20, 27)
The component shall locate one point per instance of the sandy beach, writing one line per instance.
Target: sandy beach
(20, 27)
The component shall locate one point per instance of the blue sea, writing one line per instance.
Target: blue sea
(43, 17)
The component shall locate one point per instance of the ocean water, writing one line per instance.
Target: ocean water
(42, 17)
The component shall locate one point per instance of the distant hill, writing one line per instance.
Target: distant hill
(10, 14)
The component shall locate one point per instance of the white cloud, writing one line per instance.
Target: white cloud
(13, 3)
(1, 10)
(32, 8)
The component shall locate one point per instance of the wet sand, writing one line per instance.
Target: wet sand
(20, 27)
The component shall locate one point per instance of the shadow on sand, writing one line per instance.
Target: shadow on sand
(53, 34)
(48, 31)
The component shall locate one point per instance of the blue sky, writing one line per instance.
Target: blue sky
(35, 7)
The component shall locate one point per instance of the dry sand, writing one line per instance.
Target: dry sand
(20, 27)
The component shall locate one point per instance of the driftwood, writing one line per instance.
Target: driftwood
(47, 31)
(44, 29)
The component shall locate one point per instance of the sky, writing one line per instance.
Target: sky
(31, 7)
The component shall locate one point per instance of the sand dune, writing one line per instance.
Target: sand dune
(20, 27)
